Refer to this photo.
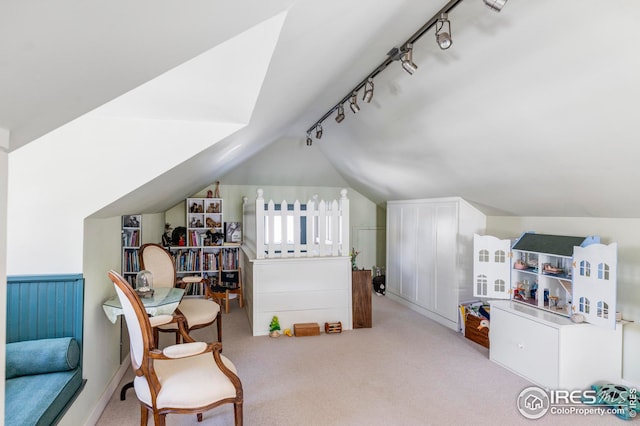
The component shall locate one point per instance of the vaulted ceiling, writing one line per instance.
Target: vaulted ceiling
(533, 111)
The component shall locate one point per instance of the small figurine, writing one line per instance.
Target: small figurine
(274, 327)
(166, 237)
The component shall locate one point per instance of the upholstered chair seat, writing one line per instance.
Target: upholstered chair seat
(187, 383)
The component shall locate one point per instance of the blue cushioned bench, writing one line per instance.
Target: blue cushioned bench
(44, 347)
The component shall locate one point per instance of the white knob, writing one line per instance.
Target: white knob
(520, 346)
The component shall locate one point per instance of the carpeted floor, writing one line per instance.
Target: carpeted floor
(405, 370)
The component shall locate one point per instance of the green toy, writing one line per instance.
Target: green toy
(275, 325)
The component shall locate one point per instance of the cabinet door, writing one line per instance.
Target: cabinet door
(445, 284)
(408, 252)
(594, 283)
(526, 347)
(425, 267)
(394, 225)
(491, 267)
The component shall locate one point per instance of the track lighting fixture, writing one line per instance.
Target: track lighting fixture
(353, 103)
(368, 91)
(407, 60)
(496, 5)
(404, 54)
(340, 115)
(443, 32)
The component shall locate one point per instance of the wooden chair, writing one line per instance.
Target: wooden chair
(188, 378)
(198, 312)
(229, 283)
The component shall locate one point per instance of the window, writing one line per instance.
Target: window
(481, 283)
(585, 268)
(603, 271)
(500, 256)
(483, 255)
(498, 286)
(603, 310)
(584, 305)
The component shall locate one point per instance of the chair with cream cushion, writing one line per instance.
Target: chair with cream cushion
(188, 378)
(198, 311)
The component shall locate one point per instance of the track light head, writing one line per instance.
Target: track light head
(353, 103)
(495, 5)
(368, 90)
(340, 115)
(309, 141)
(407, 60)
(443, 32)
(319, 131)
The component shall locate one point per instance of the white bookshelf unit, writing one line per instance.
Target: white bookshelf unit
(205, 253)
(131, 231)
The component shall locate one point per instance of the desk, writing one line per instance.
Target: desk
(164, 301)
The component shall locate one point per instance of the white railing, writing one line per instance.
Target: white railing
(317, 228)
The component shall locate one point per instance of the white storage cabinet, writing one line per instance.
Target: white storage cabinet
(552, 351)
(429, 255)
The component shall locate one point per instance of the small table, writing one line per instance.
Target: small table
(164, 301)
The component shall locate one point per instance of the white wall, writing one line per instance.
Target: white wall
(624, 232)
(101, 253)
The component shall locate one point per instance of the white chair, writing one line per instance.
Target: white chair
(188, 378)
(198, 312)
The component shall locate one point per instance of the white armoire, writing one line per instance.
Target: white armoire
(430, 255)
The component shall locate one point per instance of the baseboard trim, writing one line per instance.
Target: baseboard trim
(108, 393)
(425, 312)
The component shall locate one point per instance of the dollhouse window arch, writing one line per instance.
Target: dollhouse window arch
(481, 283)
(584, 305)
(500, 256)
(585, 268)
(603, 271)
(483, 256)
(603, 309)
(499, 286)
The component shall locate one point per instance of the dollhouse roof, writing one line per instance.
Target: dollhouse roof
(553, 244)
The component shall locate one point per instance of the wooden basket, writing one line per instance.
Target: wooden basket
(472, 332)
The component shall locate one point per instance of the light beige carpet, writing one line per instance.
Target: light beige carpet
(406, 370)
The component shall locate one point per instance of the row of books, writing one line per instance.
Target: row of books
(131, 262)
(230, 259)
(131, 238)
(188, 260)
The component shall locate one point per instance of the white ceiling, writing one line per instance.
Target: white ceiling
(532, 111)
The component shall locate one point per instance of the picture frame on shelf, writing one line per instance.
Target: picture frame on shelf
(233, 232)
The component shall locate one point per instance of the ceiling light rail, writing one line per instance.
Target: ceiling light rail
(404, 54)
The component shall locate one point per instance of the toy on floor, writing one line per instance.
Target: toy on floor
(274, 327)
(619, 397)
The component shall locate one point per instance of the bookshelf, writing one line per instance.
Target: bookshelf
(131, 239)
(204, 222)
(213, 263)
(206, 254)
